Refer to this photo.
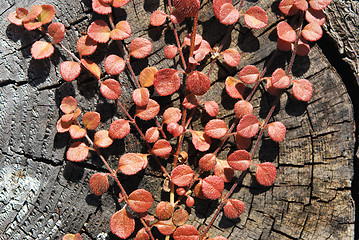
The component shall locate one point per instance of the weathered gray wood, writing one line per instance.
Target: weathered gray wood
(43, 196)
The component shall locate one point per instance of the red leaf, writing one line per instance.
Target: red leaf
(91, 120)
(207, 162)
(152, 135)
(92, 67)
(256, 18)
(140, 200)
(77, 113)
(171, 51)
(119, 3)
(86, 45)
(242, 142)
(234, 87)
(231, 57)
(167, 81)
(216, 128)
(198, 83)
(31, 25)
(201, 50)
(190, 101)
(68, 104)
(162, 148)
(249, 74)
(283, 45)
(319, 4)
(211, 108)
(242, 108)
(100, 7)
(266, 173)
(286, 32)
(217, 5)
(279, 79)
(111, 89)
(301, 4)
(119, 129)
(122, 31)
(62, 126)
(234, 208)
(122, 224)
(102, 140)
(172, 114)
(248, 126)
(276, 131)
(147, 76)
(239, 160)
(114, 64)
(165, 227)
(99, 183)
(212, 187)
(175, 129)
(180, 217)
(141, 96)
(17, 17)
(270, 89)
(149, 111)
(228, 15)
(77, 132)
(189, 201)
(47, 14)
(142, 235)
(317, 16)
(164, 210)
(99, 31)
(187, 8)
(35, 11)
(197, 40)
(56, 31)
(41, 50)
(198, 191)
(182, 175)
(130, 163)
(70, 70)
(186, 232)
(287, 7)
(140, 47)
(302, 90)
(223, 170)
(312, 32)
(77, 152)
(158, 18)
(201, 141)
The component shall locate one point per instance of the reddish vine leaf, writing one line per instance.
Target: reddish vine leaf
(231, 57)
(141, 96)
(92, 67)
(186, 232)
(99, 31)
(35, 11)
(187, 8)
(239, 160)
(130, 163)
(41, 50)
(175, 129)
(176, 17)
(234, 208)
(242, 142)
(122, 31)
(119, 3)
(101, 7)
(207, 162)
(312, 32)
(119, 129)
(17, 16)
(122, 223)
(303, 47)
(286, 32)
(256, 18)
(211, 108)
(172, 114)
(190, 101)
(86, 45)
(249, 74)
(31, 25)
(114, 64)
(111, 89)
(140, 47)
(140, 200)
(149, 111)
(217, 5)
(147, 76)
(223, 170)
(70, 70)
(99, 183)
(77, 113)
(202, 50)
(69, 236)
(68, 104)
(165, 227)
(280, 79)
(302, 90)
(142, 235)
(180, 217)
(201, 141)
(166, 81)
(270, 89)
(212, 187)
(63, 126)
(56, 31)
(102, 140)
(188, 38)
(234, 87)
(301, 4)
(152, 134)
(242, 108)
(228, 14)
(198, 83)
(77, 132)
(47, 13)
(77, 152)
(319, 4)
(182, 175)
(248, 126)
(283, 45)
(171, 51)
(276, 131)
(164, 210)
(287, 7)
(91, 120)
(67, 117)
(162, 148)
(198, 191)
(266, 173)
(216, 128)
(158, 18)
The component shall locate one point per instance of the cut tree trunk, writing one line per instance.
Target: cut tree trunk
(44, 196)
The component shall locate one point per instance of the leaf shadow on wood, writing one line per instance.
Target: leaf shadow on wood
(73, 172)
(151, 5)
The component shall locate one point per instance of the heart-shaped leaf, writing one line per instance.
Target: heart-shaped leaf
(175, 129)
(122, 31)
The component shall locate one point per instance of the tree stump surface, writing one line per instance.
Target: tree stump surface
(44, 196)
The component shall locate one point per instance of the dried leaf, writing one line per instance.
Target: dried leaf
(91, 120)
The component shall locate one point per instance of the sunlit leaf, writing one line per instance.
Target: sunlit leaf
(256, 18)
(70, 70)
(17, 17)
(63, 126)
(170, 51)
(231, 57)
(47, 14)
(212, 187)
(198, 83)
(270, 89)
(167, 81)
(162, 148)
(242, 108)
(111, 89)
(223, 170)
(180, 217)
(216, 128)
(234, 87)
(68, 104)
(164, 210)
(122, 31)
(86, 45)
(91, 120)
(130, 163)
(239, 160)
(41, 50)
(92, 67)
(312, 31)
(119, 129)
(34, 12)
(280, 79)
(233, 208)
(149, 111)
(140, 200)
(186, 232)
(171, 114)
(99, 31)
(147, 76)
(140, 47)
(176, 17)
(228, 15)
(158, 18)
(119, 3)
(188, 38)
(211, 108)
(175, 129)
(102, 140)
(276, 131)
(217, 4)
(114, 64)
(152, 134)
(319, 4)
(32, 25)
(286, 32)
(99, 183)
(141, 96)
(142, 235)
(122, 224)
(287, 7)
(70, 236)
(77, 152)
(76, 132)
(201, 141)
(249, 74)
(100, 7)
(182, 175)
(301, 4)
(248, 126)
(266, 173)
(302, 90)
(165, 227)
(207, 162)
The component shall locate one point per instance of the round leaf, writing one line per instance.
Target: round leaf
(152, 134)
(119, 129)
(266, 173)
(162, 148)
(70, 70)
(77, 132)
(92, 67)
(212, 187)
(187, 8)
(91, 120)
(165, 227)
(228, 15)
(175, 129)
(130, 163)
(149, 111)
(198, 83)
(122, 31)
(207, 162)
(99, 183)
(172, 114)
(147, 76)
(301, 4)
(234, 88)
(216, 128)
(302, 90)
(276, 131)
(201, 141)
(248, 126)
(287, 7)
(319, 4)
(111, 89)
(167, 81)
(312, 32)
(77, 152)
(142, 235)
(56, 31)
(41, 50)
(47, 14)
(231, 57)
(114, 64)
(164, 210)
(100, 7)
(158, 18)
(256, 18)
(211, 108)
(239, 160)
(140, 47)
(35, 11)
(140, 200)
(141, 96)
(249, 74)
(234, 208)
(180, 217)
(286, 32)
(102, 140)
(68, 104)
(171, 51)
(182, 175)
(86, 45)
(99, 31)
(122, 224)
(242, 108)
(63, 126)
(217, 5)
(186, 232)
(279, 79)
